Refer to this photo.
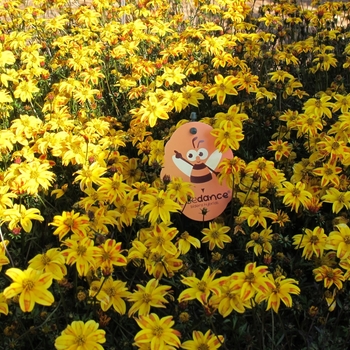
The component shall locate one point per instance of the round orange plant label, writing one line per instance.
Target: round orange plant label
(191, 155)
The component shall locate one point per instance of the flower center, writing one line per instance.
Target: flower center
(80, 340)
(68, 222)
(250, 277)
(160, 202)
(110, 291)
(28, 284)
(203, 347)
(157, 331)
(160, 240)
(146, 298)
(185, 235)
(347, 239)
(215, 234)
(45, 259)
(296, 192)
(314, 239)
(81, 250)
(202, 285)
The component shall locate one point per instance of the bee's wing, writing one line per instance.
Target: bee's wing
(182, 165)
(214, 160)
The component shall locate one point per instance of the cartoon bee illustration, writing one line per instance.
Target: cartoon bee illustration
(190, 154)
(198, 165)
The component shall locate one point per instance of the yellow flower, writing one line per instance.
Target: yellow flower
(173, 76)
(251, 281)
(339, 199)
(4, 308)
(313, 241)
(262, 168)
(20, 215)
(89, 175)
(216, 235)
(4, 260)
(294, 194)
(191, 95)
(157, 332)
(32, 285)
(82, 336)
(200, 289)
(280, 76)
(109, 292)
(329, 276)
(207, 341)
(224, 86)
(51, 261)
(227, 137)
(145, 297)
(159, 206)
(319, 106)
(81, 251)
(340, 241)
(151, 110)
(159, 239)
(185, 241)
(281, 148)
(329, 172)
(25, 90)
(180, 190)
(256, 215)
(70, 222)
(113, 188)
(342, 103)
(108, 255)
(35, 174)
(261, 241)
(279, 290)
(229, 299)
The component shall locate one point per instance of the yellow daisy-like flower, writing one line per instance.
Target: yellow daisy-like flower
(109, 254)
(89, 175)
(279, 289)
(256, 215)
(159, 206)
(340, 241)
(82, 252)
(110, 293)
(261, 241)
(185, 241)
(32, 285)
(319, 106)
(200, 289)
(145, 297)
(227, 137)
(224, 86)
(329, 276)
(337, 198)
(82, 336)
(313, 241)
(251, 281)
(70, 222)
(157, 332)
(51, 261)
(4, 308)
(294, 195)
(4, 260)
(206, 341)
(216, 235)
(20, 215)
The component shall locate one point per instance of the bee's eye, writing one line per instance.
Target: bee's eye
(203, 153)
(191, 155)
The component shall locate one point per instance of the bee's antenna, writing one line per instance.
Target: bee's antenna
(193, 116)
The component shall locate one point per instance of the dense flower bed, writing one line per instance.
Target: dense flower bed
(95, 251)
